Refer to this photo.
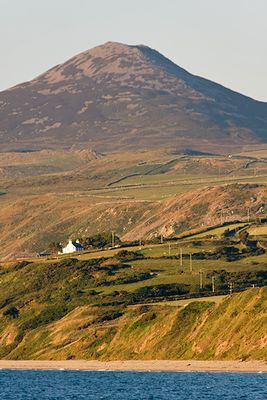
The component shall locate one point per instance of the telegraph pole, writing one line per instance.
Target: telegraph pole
(248, 214)
(190, 263)
(169, 248)
(181, 257)
(200, 279)
(231, 288)
(140, 242)
(213, 284)
(161, 239)
(112, 238)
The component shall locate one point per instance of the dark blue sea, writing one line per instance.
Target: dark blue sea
(57, 385)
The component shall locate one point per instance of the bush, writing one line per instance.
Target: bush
(100, 240)
(125, 255)
(12, 312)
(21, 265)
(161, 290)
(243, 236)
(49, 314)
(230, 253)
(108, 316)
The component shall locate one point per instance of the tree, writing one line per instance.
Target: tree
(100, 240)
(243, 236)
(12, 312)
(55, 247)
(125, 255)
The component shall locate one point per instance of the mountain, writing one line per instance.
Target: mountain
(117, 97)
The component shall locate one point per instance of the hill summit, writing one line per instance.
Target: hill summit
(116, 97)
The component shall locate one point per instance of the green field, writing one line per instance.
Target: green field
(51, 196)
(78, 308)
(163, 261)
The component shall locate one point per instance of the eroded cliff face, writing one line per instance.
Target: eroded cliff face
(234, 329)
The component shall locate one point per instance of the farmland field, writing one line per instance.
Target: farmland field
(52, 195)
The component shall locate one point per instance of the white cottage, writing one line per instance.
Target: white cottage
(72, 247)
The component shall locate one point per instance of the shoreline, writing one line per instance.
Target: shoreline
(137, 365)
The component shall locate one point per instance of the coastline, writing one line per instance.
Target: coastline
(137, 365)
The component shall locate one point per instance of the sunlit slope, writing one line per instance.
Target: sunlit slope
(119, 97)
(31, 224)
(233, 329)
(51, 196)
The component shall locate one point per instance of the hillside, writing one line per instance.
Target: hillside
(49, 196)
(51, 311)
(116, 97)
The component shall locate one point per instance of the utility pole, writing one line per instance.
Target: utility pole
(169, 248)
(140, 242)
(190, 263)
(181, 257)
(231, 288)
(161, 239)
(200, 279)
(213, 284)
(248, 214)
(112, 238)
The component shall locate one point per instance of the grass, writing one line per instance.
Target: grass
(80, 307)
(63, 304)
(218, 232)
(67, 202)
(258, 230)
(184, 303)
(195, 330)
(167, 270)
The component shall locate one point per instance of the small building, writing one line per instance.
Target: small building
(72, 247)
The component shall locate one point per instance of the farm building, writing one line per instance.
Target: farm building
(72, 247)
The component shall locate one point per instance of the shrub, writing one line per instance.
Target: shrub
(125, 255)
(100, 240)
(161, 290)
(49, 314)
(20, 265)
(12, 312)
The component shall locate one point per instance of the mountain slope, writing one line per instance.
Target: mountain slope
(29, 225)
(117, 97)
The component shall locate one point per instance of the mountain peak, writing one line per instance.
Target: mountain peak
(110, 57)
(117, 96)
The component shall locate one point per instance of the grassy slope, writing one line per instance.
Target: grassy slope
(60, 316)
(234, 329)
(51, 196)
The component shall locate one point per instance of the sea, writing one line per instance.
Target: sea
(114, 385)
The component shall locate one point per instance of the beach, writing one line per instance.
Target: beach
(137, 365)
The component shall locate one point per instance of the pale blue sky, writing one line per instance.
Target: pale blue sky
(223, 40)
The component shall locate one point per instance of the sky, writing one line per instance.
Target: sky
(222, 40)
